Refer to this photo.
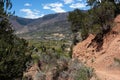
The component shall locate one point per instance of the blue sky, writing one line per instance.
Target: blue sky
(38, 8)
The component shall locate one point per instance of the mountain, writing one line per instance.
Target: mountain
(52, 24)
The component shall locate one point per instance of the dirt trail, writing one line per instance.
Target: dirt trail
(105, 66)
(104, 75)
(103, 61)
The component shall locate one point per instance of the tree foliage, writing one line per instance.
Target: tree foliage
(79, 25)
(77, 19)
(97, 3)
(103, 12)
(14, 52)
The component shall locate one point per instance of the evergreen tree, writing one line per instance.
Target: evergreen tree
(14, 52)
(77, 19)
(79, 25)
(102, 13)
(97, 3)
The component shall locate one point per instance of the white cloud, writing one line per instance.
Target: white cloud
(37, 11)
(78, 5)
(68, 1)
(31, 13)
(54, 7)
(27, 4)
(46, 7)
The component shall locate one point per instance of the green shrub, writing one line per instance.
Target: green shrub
(117, 61)
(78, 71)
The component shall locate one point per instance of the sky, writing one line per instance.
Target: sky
(38, 8)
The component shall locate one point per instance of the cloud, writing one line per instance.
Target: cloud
(56, 7)
(78, 5)
(27, 4)
(68, 1)
(31, 13)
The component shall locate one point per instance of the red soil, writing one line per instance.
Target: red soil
(106, 68)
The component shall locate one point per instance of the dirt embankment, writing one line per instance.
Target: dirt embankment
(106, 61)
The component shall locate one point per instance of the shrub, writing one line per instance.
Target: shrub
(78, 71)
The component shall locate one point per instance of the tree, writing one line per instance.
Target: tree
(97, 3)
(78, 26)
(77, 19)
(14, 52)
(102, 13)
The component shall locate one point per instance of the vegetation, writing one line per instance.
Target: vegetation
(97, 20)
(61, 47)
(101, 14)
(55, 60)
(77, 18)
(52, 55)
(98, 3)
(117, 60)
(61, 67)
(14, 52)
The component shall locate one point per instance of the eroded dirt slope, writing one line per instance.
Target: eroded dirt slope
(104, 61)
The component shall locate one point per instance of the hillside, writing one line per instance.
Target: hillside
(105, 62)
(49, 25)
(19, 22)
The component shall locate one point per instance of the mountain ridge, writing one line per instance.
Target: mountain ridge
(51, 23)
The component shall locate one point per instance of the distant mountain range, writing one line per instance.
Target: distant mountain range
(50, 25)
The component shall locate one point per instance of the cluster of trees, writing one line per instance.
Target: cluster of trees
(96, 20)
(14, 52)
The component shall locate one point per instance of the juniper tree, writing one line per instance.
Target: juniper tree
(14, 52)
